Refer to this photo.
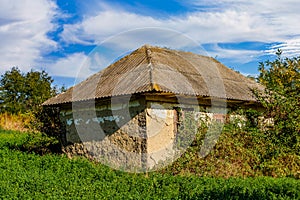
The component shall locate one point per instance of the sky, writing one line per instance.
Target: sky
(72, 39)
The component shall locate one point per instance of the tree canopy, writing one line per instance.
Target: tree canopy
(20, 92)
(281, 99)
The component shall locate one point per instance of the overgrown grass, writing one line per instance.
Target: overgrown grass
(51, 176)
(27, 141)
(239, 152)
(18, 122)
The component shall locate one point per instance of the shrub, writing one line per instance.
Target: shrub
(27, 141)
(281, 79)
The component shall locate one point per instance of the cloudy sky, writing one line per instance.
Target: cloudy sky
(62, 36)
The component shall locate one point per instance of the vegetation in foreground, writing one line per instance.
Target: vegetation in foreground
(239, 152)
(27, 175)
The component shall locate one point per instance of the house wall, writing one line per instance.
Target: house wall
(138, 135)
(112, 134)
(161, 131)
(171, 128)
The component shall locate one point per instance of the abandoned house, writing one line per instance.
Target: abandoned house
(139, 110)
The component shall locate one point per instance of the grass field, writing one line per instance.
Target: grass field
(28, 175)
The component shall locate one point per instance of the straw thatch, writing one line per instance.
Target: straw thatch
(161, 70)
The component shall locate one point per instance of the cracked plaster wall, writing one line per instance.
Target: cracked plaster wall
(130, 135)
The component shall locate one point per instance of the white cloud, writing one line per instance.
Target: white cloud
(23, 28)
(78, 65)
(238, 56)
(202, 27)
(69, 66)
(290, 48)
(279, 19)
(105, 24)
(224, 21)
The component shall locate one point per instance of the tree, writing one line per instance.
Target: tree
(24, 93)
(281, 99)
(12, 91)
(21, 92)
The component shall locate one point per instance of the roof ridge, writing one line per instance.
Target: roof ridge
(148, 53)
(150, 65)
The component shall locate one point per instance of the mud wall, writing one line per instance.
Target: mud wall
(171, 128)
(133, 136)
(113, 134)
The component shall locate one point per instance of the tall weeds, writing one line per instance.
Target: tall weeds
(18, 122)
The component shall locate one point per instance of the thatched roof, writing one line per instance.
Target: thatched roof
(154, 69)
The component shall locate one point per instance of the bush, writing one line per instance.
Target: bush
(239, 152)
(281, 99)
(47, 121)
(27, 141)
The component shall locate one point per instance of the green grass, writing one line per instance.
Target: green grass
(27, 141)
(28, 175)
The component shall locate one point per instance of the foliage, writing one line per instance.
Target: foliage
(281, 99)
(241, 151)
(27, 141)
(30, 176)
(186, 129)
(47, 121)
(21, 92)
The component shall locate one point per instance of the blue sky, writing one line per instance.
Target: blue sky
(62, 36)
